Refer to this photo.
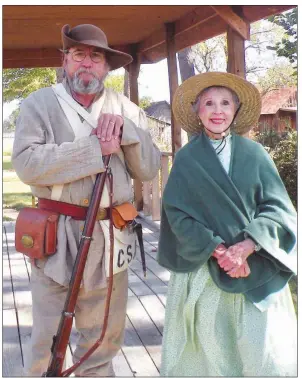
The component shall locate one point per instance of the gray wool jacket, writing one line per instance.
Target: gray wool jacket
(46, 154)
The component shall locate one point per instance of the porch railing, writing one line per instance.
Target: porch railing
(153, 190)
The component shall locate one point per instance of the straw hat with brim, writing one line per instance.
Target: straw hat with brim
(187, 93)
(91, 35)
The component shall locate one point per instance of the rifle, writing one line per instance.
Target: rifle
(60, 340)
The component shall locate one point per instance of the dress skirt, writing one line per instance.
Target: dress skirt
(209, 332)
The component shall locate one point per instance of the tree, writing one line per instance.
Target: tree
(8, 126)
(19, 83)
(278, 76)
(115, 82)
(145, 101)
(289, 44)
(285, 156)
(10, 123)
(211, 55)
(258, 58)
(186, 66)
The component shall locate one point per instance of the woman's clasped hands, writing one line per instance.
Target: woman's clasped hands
(233, 259)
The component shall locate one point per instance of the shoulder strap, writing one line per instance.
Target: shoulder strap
(62, 94)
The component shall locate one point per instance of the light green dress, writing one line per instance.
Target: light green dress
(209, 332)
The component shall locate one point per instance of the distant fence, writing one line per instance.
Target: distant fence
(153, 190)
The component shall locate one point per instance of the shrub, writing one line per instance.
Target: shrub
(269, 138)
(285, 156)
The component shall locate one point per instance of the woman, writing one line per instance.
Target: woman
(228, 235)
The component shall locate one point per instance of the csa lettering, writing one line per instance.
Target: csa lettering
(129, 253)
(121, 256)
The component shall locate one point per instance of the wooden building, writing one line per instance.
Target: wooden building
(279, 110)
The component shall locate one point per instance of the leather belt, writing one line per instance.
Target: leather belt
(75, 211)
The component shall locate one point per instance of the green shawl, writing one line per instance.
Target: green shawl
(203, 206)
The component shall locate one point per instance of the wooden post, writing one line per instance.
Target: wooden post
(133, 76)
(235, 41)
(173, 83)
(147, 197)
(126, 84)
(155, 198)
(236, 53)
(164, 170)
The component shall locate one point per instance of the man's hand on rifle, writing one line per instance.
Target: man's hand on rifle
(109, 132)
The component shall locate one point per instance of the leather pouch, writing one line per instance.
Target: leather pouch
(36, 232)
(123, 214)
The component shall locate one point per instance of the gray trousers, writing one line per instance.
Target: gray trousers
(48, 298)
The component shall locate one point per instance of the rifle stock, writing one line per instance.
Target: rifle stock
(61, 339)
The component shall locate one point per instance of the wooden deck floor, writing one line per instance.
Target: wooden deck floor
(141, 351)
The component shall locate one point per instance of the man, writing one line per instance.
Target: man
(62, 134)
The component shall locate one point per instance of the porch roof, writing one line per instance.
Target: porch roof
(31, 33)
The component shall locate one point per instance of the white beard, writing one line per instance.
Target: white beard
(94, 86)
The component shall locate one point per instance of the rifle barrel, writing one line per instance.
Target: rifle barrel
(63, 333)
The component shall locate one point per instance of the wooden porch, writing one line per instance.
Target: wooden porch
(141, 351)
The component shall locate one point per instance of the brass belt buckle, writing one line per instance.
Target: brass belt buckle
(101, 214)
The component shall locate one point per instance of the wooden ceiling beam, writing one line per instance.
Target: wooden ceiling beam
(254, 13)
(45, 57)
(32, 63)
(236, 22)
(31, 53)
(27, 58)
(201, 32)
(199, 15)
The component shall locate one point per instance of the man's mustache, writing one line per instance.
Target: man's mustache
(85, 70)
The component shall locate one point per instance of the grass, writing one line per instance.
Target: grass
(7, 165)
(16, 200)
(7, 219)
(6, 162)
(15, 193)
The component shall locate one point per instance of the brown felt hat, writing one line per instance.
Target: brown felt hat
(187, 93)
(91, 35)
